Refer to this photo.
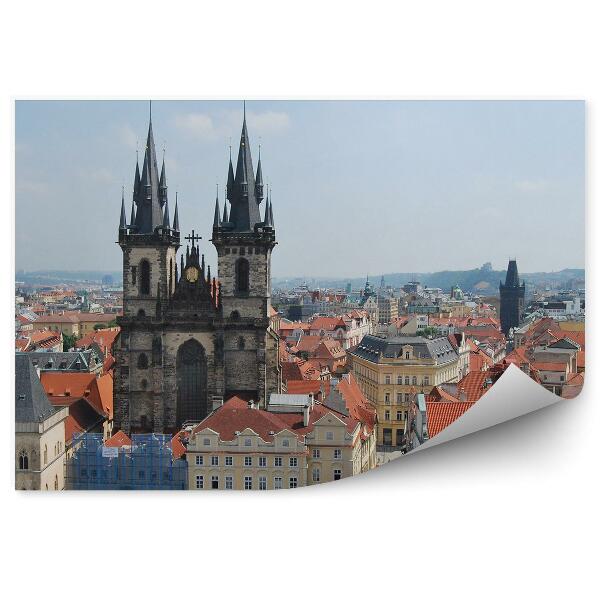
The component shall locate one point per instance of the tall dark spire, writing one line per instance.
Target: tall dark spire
(176, 215)
(245, 213)
(217, 219)
(166, 221)
(122, 221)
(132, 219)
(149, 214)
(512, 274)
(162, 184)
(259, 180)
(230, 179)
(225, 214)
(271, 222)
(136, 179)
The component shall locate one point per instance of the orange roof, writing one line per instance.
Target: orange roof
(327, 323)
(474, 385)
(307, 343)
(104, 338)
(177, 447)
(549, 366)
(118, 440)
(442, 414)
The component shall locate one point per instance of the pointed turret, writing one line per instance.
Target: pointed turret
(259, 180)
(245, 212)
(166, 221)
(149, 213)
(176, 216)
(225, 214)
(136, 179)
(512, 274)
(162, 184)
(132, 218)
(271, 221)
(230, 179)
(266, 220)
(122, 221)
(217, 218)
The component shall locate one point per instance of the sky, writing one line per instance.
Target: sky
(357, 186)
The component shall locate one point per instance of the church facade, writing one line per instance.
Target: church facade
(190, 340)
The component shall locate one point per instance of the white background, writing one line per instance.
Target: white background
(509, 512)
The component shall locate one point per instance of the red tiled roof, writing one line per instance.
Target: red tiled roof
(549, 366)
(307, 343)
(118, 440)
(327, 323)
(442, 414)
(104, 338)
(236, 415)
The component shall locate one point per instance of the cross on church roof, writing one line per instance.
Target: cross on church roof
(193, 237)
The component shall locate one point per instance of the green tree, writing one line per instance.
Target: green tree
(69, 341)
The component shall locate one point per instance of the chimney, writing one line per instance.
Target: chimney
(306, 415)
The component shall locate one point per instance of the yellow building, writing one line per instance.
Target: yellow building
(390, 369)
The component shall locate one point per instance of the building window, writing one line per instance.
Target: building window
(329, 435)
(242, 275)
(337, 453)
(262, 483)
(228, 461)
(277, 483)
(206, 441)
(145, 277)
(406, 380)
(262, 461)
(56, 482)
(293, 461)
(316, 474)
(426, 380)
(247, 461)
(23, 460)
(142, 362)
(248, 442)
(285, 443)
(387, 415)
(316, 453)
(228, 482)
(406, 397)
(337, 474)
(199, 482)
(214, 482)
(388, 379)
(398, 398)
(247, 482)
(387, 398)
(214, 461)
(278, 461)
(133, 275)
(293, 482)
(399, 380)
(199, 459)
(399, 416)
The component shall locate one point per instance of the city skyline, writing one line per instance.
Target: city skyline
(428, 164)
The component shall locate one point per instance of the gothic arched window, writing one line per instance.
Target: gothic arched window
(241, 343)
(142, 361)
(23, 460)
(242, 275)
(56, 482)
(144, 277)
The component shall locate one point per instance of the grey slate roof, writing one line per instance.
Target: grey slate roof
(374, 348)
(66, 361)
(31, 401)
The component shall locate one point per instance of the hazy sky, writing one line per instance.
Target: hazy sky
(358, 186)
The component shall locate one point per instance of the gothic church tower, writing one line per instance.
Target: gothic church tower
(188, 340)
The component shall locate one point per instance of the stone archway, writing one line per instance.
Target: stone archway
(192, 397)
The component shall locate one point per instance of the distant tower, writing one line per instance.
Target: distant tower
(512, 298)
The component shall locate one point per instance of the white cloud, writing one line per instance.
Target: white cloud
(228, 124)
(197, 124)
(128, 137)
(31, 187)
(269, 122)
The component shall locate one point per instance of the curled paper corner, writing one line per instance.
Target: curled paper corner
(513, 395)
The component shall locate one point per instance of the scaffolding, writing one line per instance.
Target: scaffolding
(147, 464)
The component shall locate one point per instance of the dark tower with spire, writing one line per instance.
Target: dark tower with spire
(244, 241)
(512, 299)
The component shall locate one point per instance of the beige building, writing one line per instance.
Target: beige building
(390, 369)
(296, 442)
(39, 433)
(387, 308)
